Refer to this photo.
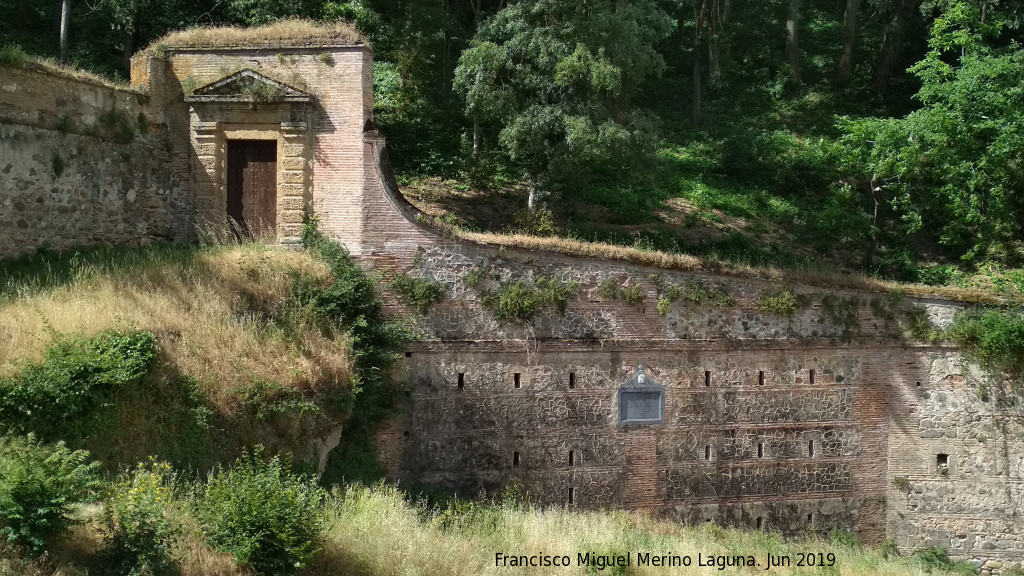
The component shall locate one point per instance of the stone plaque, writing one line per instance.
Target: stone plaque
(641, 401)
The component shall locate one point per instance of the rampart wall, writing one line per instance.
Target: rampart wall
(80, 164)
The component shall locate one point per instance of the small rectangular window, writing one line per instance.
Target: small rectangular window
(810, 448)
(572, 460)
(462, 380)
(810, 519)
(572, 495)
(942, 463)
(760, 522)
(812, 376)
(707, 378)
(572, 380)
(760, 378)
(707, 452)
(517, 379)
(760, 449)
(515, 459)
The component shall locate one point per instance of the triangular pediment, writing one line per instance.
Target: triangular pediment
(248, 86)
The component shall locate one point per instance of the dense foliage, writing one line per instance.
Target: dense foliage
(269, 518)
(883, 136)
(73, 378)
(40, 485)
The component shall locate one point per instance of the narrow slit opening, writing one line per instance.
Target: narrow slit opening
(518, 379)
(810, 448)
(515, 459)
(572, 495)
(462, 380)
(810, 519)
(760, 522)
(572, 459)
(707, 378)
(572, 380)
(760, 449)
(812, 376)
(707, 452)
(760, 378)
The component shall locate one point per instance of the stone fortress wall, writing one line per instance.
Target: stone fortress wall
(81, 163)
(810, 421)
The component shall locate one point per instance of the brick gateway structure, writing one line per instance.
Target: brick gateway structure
(720, 413)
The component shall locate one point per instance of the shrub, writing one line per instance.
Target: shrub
(633, 295)
(270, 519)
(994, 336)
(886, 307)
(75, 375)
(519, 301)
(139, 523)
(699, 293)
(919, 325)
(935, 558)
(843, 538)
(607, 289)
(420, 293)
(12, 55)
(781, 301)
(841, 311)
(39, 486)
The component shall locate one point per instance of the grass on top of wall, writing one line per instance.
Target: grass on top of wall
(283, 33)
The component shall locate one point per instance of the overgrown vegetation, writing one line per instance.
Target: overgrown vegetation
(843, 311)
(520, 301)
(992, 337)
(40, 486)
(270, 519)
(418, 293)
(782, 302)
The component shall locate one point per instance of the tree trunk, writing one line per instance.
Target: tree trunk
(792, 46)
(476, 133)
(844, 69)
(714, 44)
(130, 42)
(65, 13)
(699, 8)
(891, 42)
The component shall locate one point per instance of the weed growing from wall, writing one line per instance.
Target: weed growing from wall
(841, 311)
(117, 125)
(633, 295)
(607, 289)
(992, 337)
(418, 293)
(695, 291)
(520, 301)
(782, 302)
(885, 307)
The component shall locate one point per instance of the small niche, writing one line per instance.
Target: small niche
(811, 376)
(408, 354)
(572, 380)
(572, 458)
(942, 463)
(707, 378)
(810, 448)
(518, 380)
(707, 451)
(810, 519)
(406, 433)
(760, 378)
(462, 380)
(918, 384)
(760, 449)
(572, 495)
(760, 522)
(515, 459)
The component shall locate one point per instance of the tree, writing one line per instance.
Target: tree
(557, 76)
(844, 68)
(953, 167)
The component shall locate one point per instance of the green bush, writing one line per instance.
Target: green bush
(633, 295)
(781, 301)
(607, 289)
(12, 55)
(270, 519)
(935, 558)
(140, 529)
(40, 484)
(519, 301)
(841, 311)
(420, 293)
(75, 375)
(995, 336)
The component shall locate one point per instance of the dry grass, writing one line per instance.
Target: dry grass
(209, 311)
(291, 32)
(671, 261)
(52, 66)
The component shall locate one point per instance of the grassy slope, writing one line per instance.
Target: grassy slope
(215, 313)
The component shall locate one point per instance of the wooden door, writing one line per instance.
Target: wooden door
(252, 187)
